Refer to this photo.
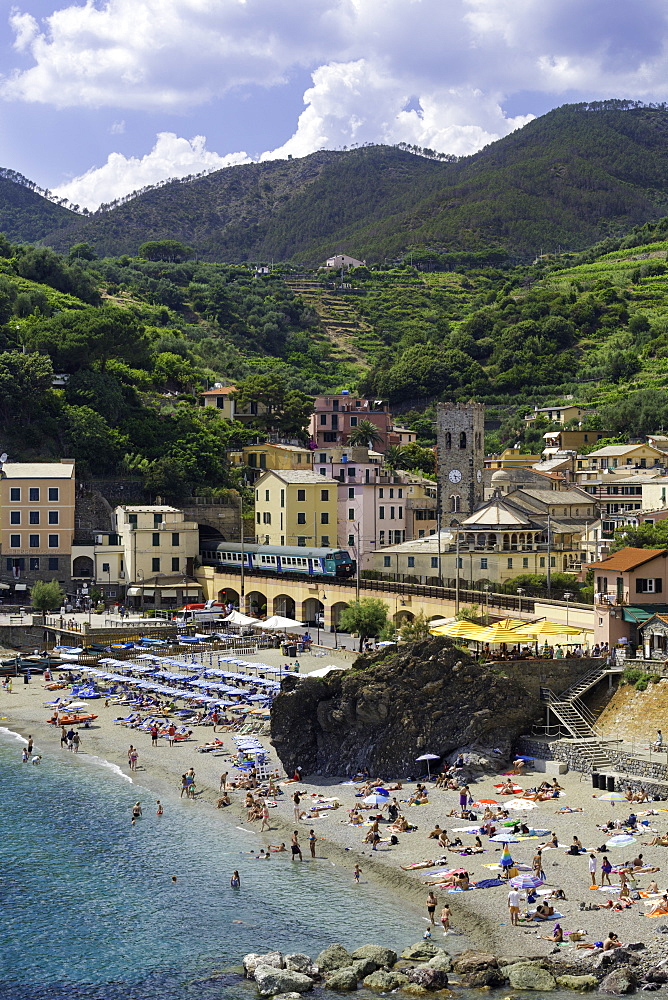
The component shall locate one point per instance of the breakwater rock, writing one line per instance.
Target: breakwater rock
(425, 968)
(393, 706)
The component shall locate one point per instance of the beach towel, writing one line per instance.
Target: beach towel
(487, 883)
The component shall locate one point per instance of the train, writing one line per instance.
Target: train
(294, 560)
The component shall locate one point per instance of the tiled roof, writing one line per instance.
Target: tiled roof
(627, 559)
(223, 391)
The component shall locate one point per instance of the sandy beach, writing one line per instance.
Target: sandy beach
(480, 916)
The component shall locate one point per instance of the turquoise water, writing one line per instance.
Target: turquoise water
(89, 909)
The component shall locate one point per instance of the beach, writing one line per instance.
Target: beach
(479, 917)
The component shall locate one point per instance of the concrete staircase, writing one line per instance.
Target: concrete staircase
(577, 719)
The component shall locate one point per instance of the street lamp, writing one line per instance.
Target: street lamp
(520, 592)
(567, 597)
(140, 577)
(486, 589)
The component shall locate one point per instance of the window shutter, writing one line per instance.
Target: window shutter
(658, 585)
(639, 584)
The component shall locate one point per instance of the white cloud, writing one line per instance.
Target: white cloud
(171, 156)
(117, 127)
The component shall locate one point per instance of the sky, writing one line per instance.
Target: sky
(101, 97)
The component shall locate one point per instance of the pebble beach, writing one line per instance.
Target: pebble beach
(479, 916)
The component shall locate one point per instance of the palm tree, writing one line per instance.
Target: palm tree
(365, 434)
(393, 457)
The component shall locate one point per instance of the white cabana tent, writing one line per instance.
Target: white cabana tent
(237, 618)
(278, 623)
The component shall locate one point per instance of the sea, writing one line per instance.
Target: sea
(89, 909)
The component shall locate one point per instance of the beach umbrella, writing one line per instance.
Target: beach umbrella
(486, 802)
(612, 797)
(621, 840)
(521, 804)
(428, 757)
(526, 881)
(280, 623)
(376, 800)
(506, 861)
(505, 838)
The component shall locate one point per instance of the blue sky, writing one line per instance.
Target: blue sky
(99, 98)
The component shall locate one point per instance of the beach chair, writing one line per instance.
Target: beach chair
(52, 704)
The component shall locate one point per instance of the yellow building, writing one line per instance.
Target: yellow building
(294, 507)
(557, 414)
(221, 396)
(615, 456)
(511, 458)
(259, 458)
(556, 441)
(36, 522)
(155, 551)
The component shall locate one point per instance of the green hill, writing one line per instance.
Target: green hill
(567, 179)
(25, 215)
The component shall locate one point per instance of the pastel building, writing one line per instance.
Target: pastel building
(295, 507)
(337, 414)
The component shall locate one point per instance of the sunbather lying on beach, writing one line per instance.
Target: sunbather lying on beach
(612, 941)
(661, 840)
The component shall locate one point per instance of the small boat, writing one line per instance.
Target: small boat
(68, 652)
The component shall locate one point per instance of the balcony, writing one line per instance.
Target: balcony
(611, 598)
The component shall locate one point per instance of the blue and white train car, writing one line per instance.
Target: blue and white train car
(288, 559)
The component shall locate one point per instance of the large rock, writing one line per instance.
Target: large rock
(474, 961)
(582, 984)
(619, 981)
(300, 963)
(659, 974)
(385, 981)
(333, 957)
(375, 715)
(287, 996)
(271, 980)
(252, 960)
(489, 977)
(376, 953)
(615, 957)
(440, 961)
(364, 967)
(530, 976)
(429, 979)
(342, 980)
(421, 951)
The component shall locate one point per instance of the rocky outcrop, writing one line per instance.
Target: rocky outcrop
(581, 984)
(530, 976)
(375, 953)
(334, 957)
(618, 982)
(270, 980)
(385, 981)
(428, 979)
(342, 980)
(388, 708)
(251, 961)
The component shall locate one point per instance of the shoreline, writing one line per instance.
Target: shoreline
(480, 917)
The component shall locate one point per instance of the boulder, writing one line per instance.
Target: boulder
(582, 984)
(615, 957)
(251, 961)
(530, 976)
(271, 980)
(429, 979)
(659, 974)
(333, 957)
(300, 963)
(421, 951)
(491, 978)
(474, 961)
(381, 956)
(619, 981)
(342, 980)
(364, 967)
(385, 981)
(286, 996)
(440, 961)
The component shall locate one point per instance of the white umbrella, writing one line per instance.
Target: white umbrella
(277, 622)
(521, 804)
(375, 799)
(621, 840)
(505, 838)
(237, 618)
(612, 797)
(428, 757)
(76, 706)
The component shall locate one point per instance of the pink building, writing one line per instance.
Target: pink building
(627, 584)
(336, 415)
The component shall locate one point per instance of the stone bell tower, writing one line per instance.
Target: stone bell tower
(460, 439)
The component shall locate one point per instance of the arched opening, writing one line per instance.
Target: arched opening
(226, 595)
(336, 613)
(455, 503)
(448, 440)
(462, 440)
(284, 605)
(313, 612)
(82, 567)
(257, 603)
(402, 616)
(513, 541)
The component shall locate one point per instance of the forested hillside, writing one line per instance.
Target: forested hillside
(25, 214)
(567, 179)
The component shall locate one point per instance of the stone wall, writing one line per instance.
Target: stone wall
(555, 674)
(24, 636)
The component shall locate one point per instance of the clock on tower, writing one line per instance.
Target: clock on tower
(460, 435)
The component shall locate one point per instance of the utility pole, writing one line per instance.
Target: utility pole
(438, 532)
(549, 556)
(457, 570)
(242, 595)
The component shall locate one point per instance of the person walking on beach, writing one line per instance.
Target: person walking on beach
(514, 907)
(70, 739)
(159, 811)
(538, 864)
(154, 735)
(431, 906)
(265, 817)
(235, 881)
(63, 737)
(295, 803)
(312, 841)
(294, 846)
(223, 782)
(445, 918)
(606, 868)
(76, 740)
(356, 873)
(132, 758)
(592, 868)
(171, 732)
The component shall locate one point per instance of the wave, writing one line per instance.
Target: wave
(102, 762)
(15, 736)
